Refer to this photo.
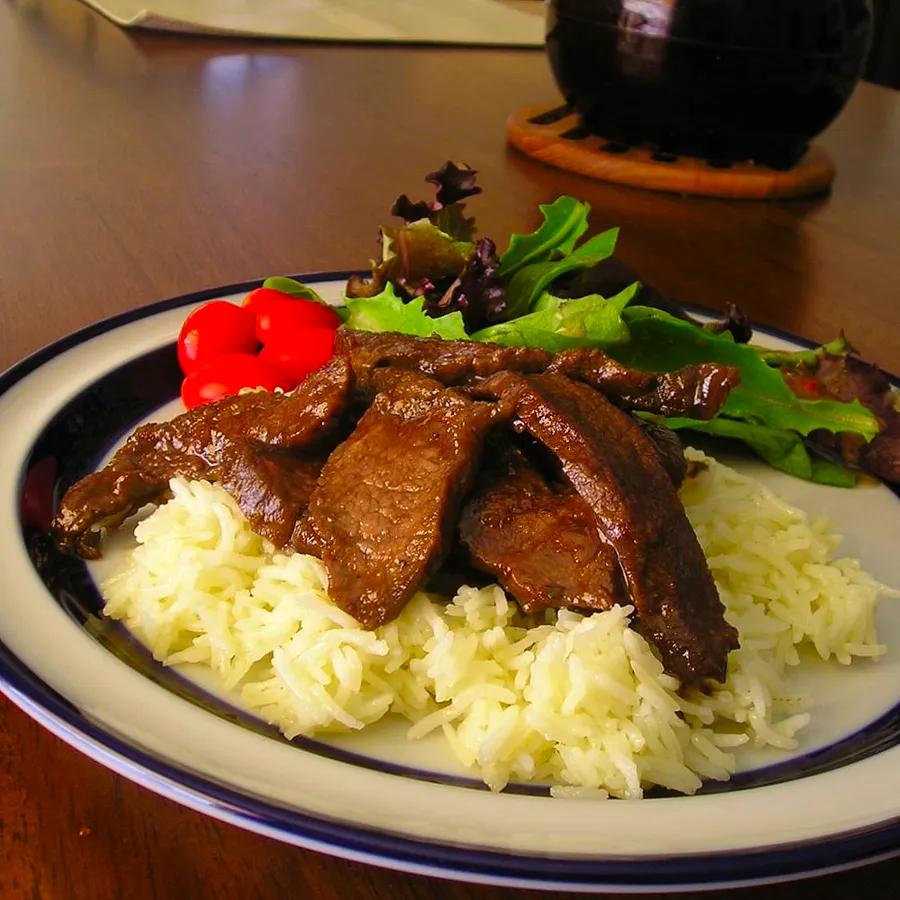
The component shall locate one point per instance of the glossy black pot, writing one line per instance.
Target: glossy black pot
(720, 79)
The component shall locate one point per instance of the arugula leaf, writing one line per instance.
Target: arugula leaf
(783, 450)
(824, 471)
(660, 343)
(565, 221)
(560, 324)
(292, 287)
(840, 346)
(530, 282)
(388, 312)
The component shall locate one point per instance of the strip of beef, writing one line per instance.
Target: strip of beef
(539, 538)
(668, 448)
(384, 512)
(271, 486)
(616, 470)
(697, 391)
(540, 541)
(449, 362)
(216, 441)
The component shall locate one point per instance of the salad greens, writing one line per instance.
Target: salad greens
(292, 288)
(560, 324)
(453, 183)
(660, 342)
(526, 287)
(565, 221)
(414, 258)
(840, 346)
(435, 278)
(780, 448)
(388, 312)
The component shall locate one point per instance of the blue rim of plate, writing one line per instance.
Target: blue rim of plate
(625, 873)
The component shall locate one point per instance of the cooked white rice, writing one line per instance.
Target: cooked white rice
(577, 701)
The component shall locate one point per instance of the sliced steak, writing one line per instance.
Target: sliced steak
(668, 448)
(695, 391)
(616, 470)
(212, 441)
(271, 486)
(383, 514)
(541, 542)
(449, 362)
(309, 414)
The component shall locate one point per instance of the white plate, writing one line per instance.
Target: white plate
(374, 797)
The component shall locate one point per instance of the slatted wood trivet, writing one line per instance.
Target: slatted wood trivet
(554, 135)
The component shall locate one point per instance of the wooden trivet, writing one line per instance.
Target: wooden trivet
(554, 135)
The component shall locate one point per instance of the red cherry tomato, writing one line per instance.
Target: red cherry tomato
(299, 352)
(215, 328)
(275, 311)
(258, 299)
(226, 375)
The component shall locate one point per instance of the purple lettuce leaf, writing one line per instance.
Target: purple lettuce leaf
(478, 292)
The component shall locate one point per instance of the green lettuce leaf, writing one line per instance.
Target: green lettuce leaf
(292, 287)
(783, 450)
(565, 221)
(387, 312)
(840, 346)
(560, 324)
(660, 343)
(528, 284)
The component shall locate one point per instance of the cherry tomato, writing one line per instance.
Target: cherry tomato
(215, 328)
(258, 299)
(226, 375)
(299, 352)
(275, 311)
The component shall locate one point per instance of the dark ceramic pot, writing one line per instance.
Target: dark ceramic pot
(723, 80)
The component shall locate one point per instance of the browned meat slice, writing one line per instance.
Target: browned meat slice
(302, 417)
(271, 486)
(206, 442)
(616, 470)
(383, 513)
(541, 542)
(668, 448)
(695, 391)
(450, 362)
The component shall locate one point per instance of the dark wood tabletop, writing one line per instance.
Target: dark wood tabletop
(136, 166)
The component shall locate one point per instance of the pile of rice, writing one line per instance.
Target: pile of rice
(577, 701)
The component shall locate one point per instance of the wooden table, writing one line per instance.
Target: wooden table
(138, 166)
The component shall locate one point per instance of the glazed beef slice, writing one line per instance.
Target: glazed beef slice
(540, 540)
(696, 391)
(617, 471)
(271, 486)
(218, 441)
(449, 362)
(384, 511)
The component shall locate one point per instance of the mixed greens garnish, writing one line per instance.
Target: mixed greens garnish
(555, 289)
